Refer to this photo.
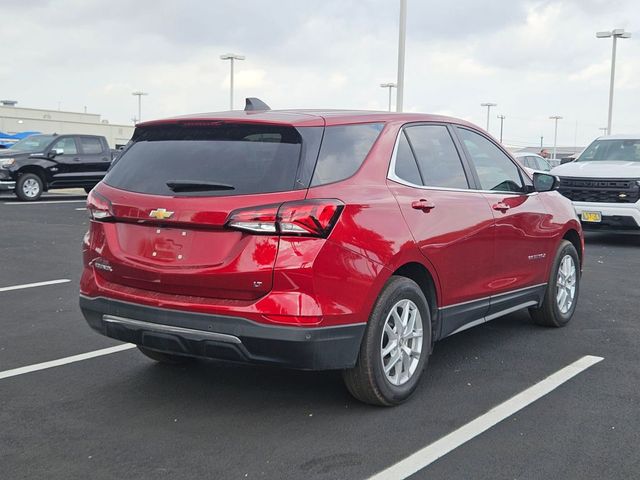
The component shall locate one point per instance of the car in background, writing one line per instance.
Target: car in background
(604, 183)
(532, 162)
(39, 163)
(322, 240)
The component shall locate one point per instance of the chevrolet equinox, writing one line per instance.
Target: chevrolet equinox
(317, 240)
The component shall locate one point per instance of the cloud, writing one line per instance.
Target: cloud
(534, 58)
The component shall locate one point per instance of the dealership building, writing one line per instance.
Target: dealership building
(14, 119)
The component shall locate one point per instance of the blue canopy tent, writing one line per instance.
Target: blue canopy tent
(7, 139)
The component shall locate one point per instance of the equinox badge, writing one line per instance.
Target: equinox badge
(160, 214)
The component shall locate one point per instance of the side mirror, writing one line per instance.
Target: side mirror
(566, 160)
(543, 182)
(55, 152)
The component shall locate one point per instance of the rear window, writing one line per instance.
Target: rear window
(214, 160)
(344, 148)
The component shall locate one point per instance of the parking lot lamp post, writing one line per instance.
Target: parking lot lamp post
(139, 94)
(401, 44)
(389, 85)
(617, 33)
(488, 105)
(555, 135)
(231, 57)
(501, 117)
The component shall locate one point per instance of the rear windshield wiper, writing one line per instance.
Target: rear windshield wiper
(197, 186)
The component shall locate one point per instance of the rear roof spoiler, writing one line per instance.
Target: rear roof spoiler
(254, 104)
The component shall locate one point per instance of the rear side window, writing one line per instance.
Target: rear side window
(344, 148)
(216, 160)
(91, 145)
(438, 160)
(406, 168)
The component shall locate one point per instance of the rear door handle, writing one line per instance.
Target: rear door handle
(423, 204)
(501, 206)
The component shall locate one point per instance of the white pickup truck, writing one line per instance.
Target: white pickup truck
(604, 183)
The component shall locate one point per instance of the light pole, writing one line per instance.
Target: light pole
(232, 57)
(389, 85)
(555, 135)
(488, 105)
(139, 94)
(401, 44)
(617, 33)
(501, 117)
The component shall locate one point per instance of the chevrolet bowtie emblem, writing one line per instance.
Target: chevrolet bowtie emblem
(160, 214)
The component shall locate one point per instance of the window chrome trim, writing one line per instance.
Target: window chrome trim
(391, 172)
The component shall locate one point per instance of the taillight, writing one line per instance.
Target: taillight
(258, 219)
(99, 207)
(309, 218)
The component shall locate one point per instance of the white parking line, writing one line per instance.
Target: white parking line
(81, 208)
(48, 202)
(429, 454)
(64, 361)
(32, 285)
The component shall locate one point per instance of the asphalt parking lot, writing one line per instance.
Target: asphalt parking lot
(121, 416)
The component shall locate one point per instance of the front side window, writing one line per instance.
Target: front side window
(67, 145)
(344, 148)
(438, 160)
(495, 169)
(542, 164)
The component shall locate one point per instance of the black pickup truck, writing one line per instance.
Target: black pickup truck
(41, 162)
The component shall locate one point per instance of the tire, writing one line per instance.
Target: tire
(565, 276)
(367, 381)
(29, 187)
(163, 357)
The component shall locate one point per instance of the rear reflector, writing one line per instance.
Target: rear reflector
(309, 218)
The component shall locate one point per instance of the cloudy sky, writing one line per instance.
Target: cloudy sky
(533, 58)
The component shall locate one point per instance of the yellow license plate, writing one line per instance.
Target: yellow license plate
(591, 217)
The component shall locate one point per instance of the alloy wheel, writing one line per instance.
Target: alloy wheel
(566, 284)
(31, 188)
(401, 342)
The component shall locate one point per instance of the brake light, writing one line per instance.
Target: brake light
(99, 207)
(309, 218)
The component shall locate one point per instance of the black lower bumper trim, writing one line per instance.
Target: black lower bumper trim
(224, 337)
(612, 222)
(7, 185)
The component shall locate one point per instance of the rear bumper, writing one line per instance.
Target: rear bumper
(224, 337)
(615, 216)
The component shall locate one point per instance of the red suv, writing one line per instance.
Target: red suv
(322, 240)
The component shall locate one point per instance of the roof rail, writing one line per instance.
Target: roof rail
(252, 104)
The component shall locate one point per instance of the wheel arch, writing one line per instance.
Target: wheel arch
(420, 274)
(37, 170)
(574, 237)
